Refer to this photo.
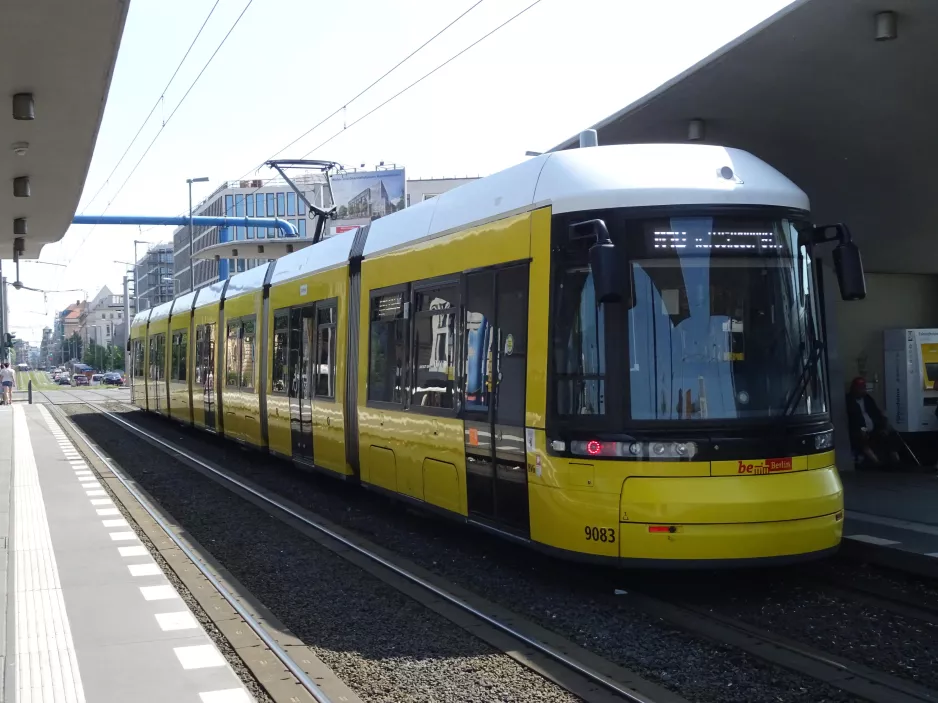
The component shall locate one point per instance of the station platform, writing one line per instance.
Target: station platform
(90, 615)
(892, 518)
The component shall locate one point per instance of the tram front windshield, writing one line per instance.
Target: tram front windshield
(718, 321)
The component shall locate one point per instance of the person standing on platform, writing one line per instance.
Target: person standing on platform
(8, 381)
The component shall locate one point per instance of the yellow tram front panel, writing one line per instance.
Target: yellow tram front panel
(679, 511)
(179, 387)
(203, 377)
(240, 402)
(421, 455)
(328, 419)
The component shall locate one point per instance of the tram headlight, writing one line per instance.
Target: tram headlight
(825, 440)
(664, 451)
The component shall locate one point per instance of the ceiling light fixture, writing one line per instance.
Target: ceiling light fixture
(21, 187)
(886, 26)
(695, 130)
(23, 107)
(19, 148)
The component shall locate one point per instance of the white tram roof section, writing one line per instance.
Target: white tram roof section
(161, 312)
(141, 318)
(210, 294)
(248, 281)
(327, 254)
(184, 303)
(621, 175)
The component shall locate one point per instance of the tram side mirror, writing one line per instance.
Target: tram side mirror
(603, 260)
(849, 267)
(847, 260)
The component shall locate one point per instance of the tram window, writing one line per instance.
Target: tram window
(157, 345)
(248, 336)
(208, 357)
(324, 373)
(387, 355)
(174, 358)
(138, 358)
(233, 354)
(579, 346)
(280, 370)
(183, 354)
(434, 348)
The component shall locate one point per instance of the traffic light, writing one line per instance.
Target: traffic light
(8, 342)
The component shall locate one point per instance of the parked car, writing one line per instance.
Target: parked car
(113, 378)
(81, 380)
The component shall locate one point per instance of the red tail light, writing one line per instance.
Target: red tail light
(594, 448)
(662, 528)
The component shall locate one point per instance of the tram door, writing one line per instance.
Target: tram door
(302, 330)
(495, 353)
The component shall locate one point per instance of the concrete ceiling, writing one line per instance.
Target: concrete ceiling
(849, 119)
(63, 52)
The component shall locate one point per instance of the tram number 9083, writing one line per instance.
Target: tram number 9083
(600, 534)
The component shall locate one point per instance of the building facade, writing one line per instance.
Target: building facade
(153, 277)
(251, 198)
(420, 189)
(100, 317)
(256, 198)
(67, 324)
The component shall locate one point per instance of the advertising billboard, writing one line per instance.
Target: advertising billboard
(364, 196)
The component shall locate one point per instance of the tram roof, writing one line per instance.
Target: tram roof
(625, 175)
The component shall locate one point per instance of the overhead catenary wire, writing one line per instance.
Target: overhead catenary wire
(424, 77)
(159, 100)
(165, 123)
(357, 96)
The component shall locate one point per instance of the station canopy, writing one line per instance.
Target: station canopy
(847, 117)
(62, 53)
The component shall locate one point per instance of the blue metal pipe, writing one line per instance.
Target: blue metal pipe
(288, 228)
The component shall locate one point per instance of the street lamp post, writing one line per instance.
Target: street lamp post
(136, 277)
(190, 181)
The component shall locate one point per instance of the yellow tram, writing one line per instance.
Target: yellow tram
(610, 353)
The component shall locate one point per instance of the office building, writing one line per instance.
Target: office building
(153, 277)
(251, 198)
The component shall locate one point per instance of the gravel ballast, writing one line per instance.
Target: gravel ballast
(574, 601)
(834, 623)
(384, 645)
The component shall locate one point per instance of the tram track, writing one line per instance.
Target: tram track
(849, 676)
(573, 668)
(855, 680)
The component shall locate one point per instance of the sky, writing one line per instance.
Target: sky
(556, 69)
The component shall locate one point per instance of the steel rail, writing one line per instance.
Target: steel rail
(545, 649)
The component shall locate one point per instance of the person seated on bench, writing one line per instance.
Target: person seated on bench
(871, 437)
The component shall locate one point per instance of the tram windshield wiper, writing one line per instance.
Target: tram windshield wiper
(809, 373)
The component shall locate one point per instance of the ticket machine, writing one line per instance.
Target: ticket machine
(910, 380)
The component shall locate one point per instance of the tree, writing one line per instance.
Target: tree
(92, 354)
(74, 346)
